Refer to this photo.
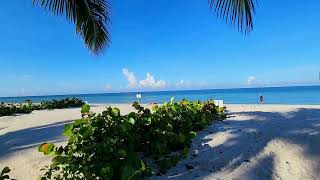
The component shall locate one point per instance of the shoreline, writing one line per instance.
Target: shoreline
(146, 104)
(181, 90)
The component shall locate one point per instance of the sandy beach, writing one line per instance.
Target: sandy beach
(255, 142)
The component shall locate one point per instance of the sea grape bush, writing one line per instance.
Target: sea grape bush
(114, 146)
(11, 109)
(63, 103)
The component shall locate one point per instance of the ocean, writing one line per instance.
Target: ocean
(272, 95)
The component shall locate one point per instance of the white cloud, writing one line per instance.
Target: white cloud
(108, 87)
(22, 91)
(180, 83)
(148, 82)
(132, 80)
(251, 80)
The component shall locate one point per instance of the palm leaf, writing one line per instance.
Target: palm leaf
(235, 12)
(91, 19)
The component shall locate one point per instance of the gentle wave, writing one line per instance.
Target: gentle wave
(272, 95)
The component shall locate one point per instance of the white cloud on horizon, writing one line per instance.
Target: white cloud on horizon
(180, 83)
(131, 78)
(108, 87)
(148, 82)
(251, 80)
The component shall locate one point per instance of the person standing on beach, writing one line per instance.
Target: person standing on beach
(261, 99)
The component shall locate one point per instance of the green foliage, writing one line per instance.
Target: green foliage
(114, 146)
(4, 173)
(85, 109)
(26, 108)
(11, 109)
(63, 103)
(239, 13)
(90, 17)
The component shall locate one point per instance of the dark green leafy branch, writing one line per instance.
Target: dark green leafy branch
(92, 17)
(114, 146)
(12, 109)
(4, 174)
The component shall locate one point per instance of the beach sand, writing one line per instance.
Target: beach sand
(255, 142)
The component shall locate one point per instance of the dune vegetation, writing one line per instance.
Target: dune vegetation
(110, 145)
(26, 108)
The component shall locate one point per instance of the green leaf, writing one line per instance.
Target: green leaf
(6, 170)
(192, 108)
(131, 121)
(184, 153)
(85, 109)
(58, 160)
(122, 153)
(80, 122)
(113, 141)
(86, 132)
(174, 108)
(169, 127)
(72, 139)
(192, 134)
(128, 173)
(46, 148)
(143, 166)
(5, 177)
(68, 130)
(123, 127)
(116, 111)
(106, 172)
(149, 120)
(181, 138)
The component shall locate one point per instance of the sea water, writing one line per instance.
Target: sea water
(272, 95)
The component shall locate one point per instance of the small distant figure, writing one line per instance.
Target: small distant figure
(261, 99)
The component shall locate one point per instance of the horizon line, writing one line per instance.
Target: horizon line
(150, 91)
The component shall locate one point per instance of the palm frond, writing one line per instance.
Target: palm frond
(235, 12)
(91, 19)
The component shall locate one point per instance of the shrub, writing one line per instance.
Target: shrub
(114, 146)
(12, 109)
(63, 103)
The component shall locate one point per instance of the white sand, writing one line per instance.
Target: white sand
(255, 142)
(20, 136)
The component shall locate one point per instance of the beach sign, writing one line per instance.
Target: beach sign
(218, 103)
(138, 97)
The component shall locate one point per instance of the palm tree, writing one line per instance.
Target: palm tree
(92, 17)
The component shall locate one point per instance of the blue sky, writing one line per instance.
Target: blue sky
(159, 45)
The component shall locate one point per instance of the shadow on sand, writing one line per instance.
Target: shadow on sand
(31, 137)
(247, 139)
